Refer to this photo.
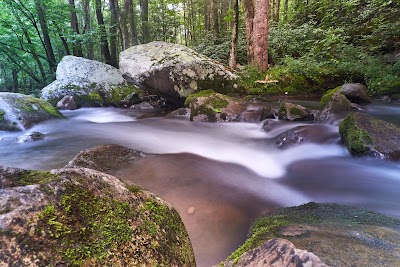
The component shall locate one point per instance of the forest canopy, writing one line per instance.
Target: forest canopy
(313, 45)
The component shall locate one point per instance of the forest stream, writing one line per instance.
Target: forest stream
(219, 176)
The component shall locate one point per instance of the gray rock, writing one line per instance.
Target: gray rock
(255, 113)
(277, 252)
(82, 217)
(174, 71)
(356, 93)
(20, 112)
(338, 105)
(292, 112)
(365, 135)
(90, 82)
(67, 102)
(30, 137)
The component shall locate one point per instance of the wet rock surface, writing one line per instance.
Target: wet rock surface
(356, 93)
(365, 135)
(30, 137)
(21, 112)
(339, 235)
(81, 217)
(293, 112)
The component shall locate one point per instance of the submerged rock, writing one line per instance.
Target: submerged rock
(365, 135)
(208, 106)
(339, 235)
(90, 82)
(81, 217)
(106, 158)
(174, 71)
(21, 112)
(30, 137)
(292, 112)
(276, 252)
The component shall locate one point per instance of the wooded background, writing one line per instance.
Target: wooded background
(36, 34)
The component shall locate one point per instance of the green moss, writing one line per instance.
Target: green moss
(203, 93)
(119, 93)
(328, 97)
(27, 104)
(2, 113)
(86, 227)
(356, 139)
(296, 111)
(134, 189)
(24, 178)
(50, 109)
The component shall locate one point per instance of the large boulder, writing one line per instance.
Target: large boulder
(174, 71)
(208, 106)
(81, 217)
(356, 93)
(293, 112)
(91, 83)
(20, 112)
(339, 235)
(365, 135)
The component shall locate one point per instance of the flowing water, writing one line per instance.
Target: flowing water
(219, 177)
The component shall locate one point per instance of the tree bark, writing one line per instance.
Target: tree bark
(214, 19)
(235, 31)
(88, 27)
(105, 51)
(277, 5)
(144, 4)
(46, 37)
(113, 33)
(76, 47)
(15, 80)
(260, 34)
(248, 7)
(286, 9)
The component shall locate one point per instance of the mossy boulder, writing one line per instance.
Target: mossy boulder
(365, 135)
(21, 112)
(208, 106)
(174, 71)
(333, 104)
(293, 112)
(81, 217)
(90, 83)
(339, 235)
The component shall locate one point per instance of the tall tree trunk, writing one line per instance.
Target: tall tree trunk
(124, 25)
(76, 47)
(46, 37)
(15, 80)
(214, 18)
(113, 33)
(286, 9)
(207, 19)
(277, 5)
(260, 34)
(144, 4)
(105, 51)
(248, 8)
(235, 31)
(87, 28)
(65, 44)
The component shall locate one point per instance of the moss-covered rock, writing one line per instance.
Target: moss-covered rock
(20, 112)
(81, 217)
(333, 104)
(339, 235)
(208, 106)
(90, 83)
(365, 135)
(292, 112)
(174, 71)
(356, 93)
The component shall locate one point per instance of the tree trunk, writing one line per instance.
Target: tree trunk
(144, 4)
(76, 47)
(45, 32)
(65, 44)
(105, 51)
(214, 18)
(249, 17)
(15, 80)
(260, 34)
(277, 5)
(286, 9)
(113, 33)
(88, 27)
(235, 31)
